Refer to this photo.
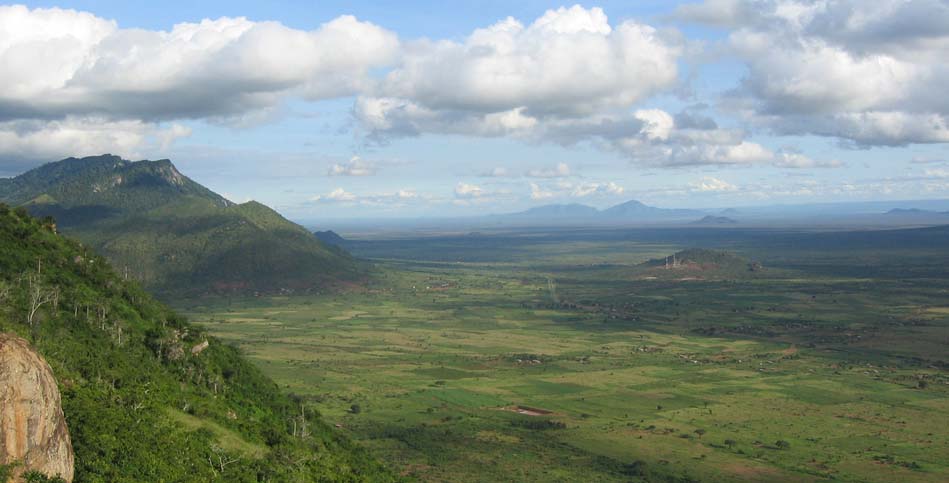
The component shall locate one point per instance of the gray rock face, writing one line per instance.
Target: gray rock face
(32, 427)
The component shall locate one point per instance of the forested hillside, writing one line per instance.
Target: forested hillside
(173, 235)
(148, 396)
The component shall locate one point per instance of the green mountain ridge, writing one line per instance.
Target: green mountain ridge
(174, 235)
(146, 395)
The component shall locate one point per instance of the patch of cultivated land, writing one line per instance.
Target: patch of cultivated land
(478, 372)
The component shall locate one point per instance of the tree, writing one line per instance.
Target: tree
(782, 444)
(38, 295)
(5, 289)
(730, 443)
(355, 409)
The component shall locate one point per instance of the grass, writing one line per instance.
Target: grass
(652, 376)
(227, 439)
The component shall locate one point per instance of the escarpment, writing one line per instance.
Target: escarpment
(33, 433)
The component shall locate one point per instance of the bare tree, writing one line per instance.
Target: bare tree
(39, 295)
(222, 458)
(5, 289)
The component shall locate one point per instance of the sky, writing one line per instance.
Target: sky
(339, 110)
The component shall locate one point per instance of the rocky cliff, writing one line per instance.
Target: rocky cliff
(32, 427)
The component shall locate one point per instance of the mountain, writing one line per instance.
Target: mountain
(174, 235)
(909, 211)
(715, 220)
(147, 396)
(635, 210)
(630, 211)
(573, 210)
(330, 237)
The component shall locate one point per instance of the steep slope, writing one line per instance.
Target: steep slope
(147, 396)
(330, 237)
(173, 234)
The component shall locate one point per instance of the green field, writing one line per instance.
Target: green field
(560, 358)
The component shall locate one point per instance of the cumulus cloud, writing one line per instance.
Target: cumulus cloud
(388, 200)
(568, 189)
(56, 63)
(468, 191)
(869, 73)
(23, 142)
(510, 79)
(337, 195)
(71, 81)
(356, 166)
(538, 193)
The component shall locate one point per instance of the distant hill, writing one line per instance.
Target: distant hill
(329, 237)
(700, 263)
(909, 211)
(173, 234)
(715, 220)
(915, 212)
(560, 211)
(630, 211)
(146, 395)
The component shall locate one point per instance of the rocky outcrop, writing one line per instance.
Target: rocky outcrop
(32, 427)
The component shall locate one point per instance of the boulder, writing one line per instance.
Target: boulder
(33, 429)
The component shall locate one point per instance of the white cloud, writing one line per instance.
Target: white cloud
(560, 171)
(356, 166)
(583, 190)
(22, 142)
(798, 161)
(468, 191)
(538, 193)
(568, 189)
(711, 184)
(871, 73)
(337, 195)
(55, 63)
(937, 173)
(71, 81)
(511, 79)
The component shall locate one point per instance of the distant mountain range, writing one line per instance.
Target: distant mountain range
(715, 220)
(630, 211)
(915, 212)
(173, 234)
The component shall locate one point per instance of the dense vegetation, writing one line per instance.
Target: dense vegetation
(144, 398)
(174, 235)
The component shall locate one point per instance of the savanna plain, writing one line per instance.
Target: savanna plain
(672, 354)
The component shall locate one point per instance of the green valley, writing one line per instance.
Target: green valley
(589, 356)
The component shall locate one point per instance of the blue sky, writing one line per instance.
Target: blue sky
(447, 108)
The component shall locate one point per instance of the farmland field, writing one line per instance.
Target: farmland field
(562, 357)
